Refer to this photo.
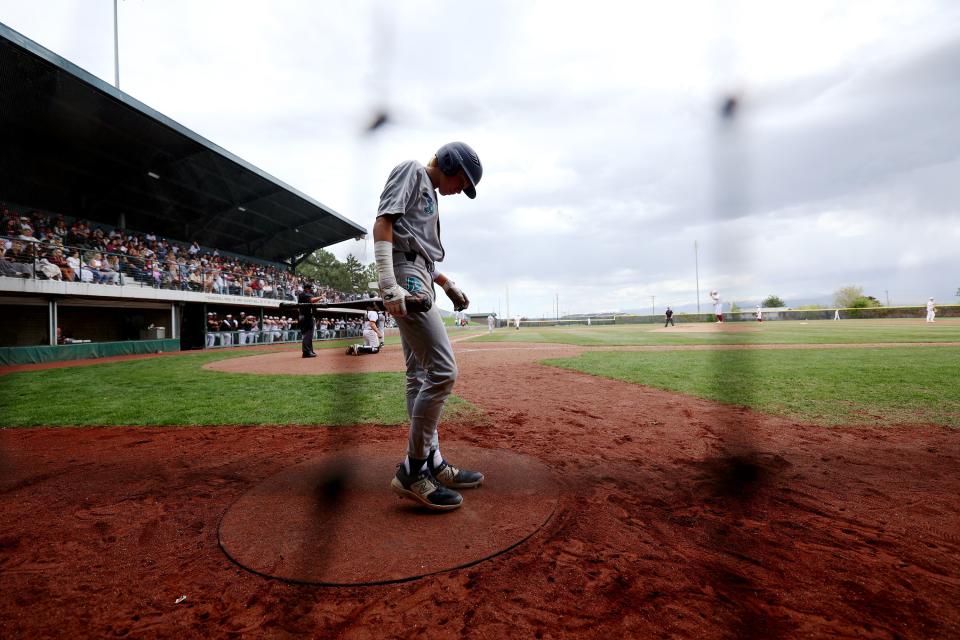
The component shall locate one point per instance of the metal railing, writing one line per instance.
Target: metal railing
(39, 260)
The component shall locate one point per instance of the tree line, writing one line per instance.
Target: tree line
(322, 267)
(849, 297)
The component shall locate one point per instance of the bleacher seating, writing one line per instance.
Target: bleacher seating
(55, 247)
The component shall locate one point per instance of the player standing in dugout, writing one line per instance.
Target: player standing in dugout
(407, 247)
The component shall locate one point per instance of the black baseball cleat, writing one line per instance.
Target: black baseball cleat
(425, 489)
(352, 350)
(452, 477)
(309, 355)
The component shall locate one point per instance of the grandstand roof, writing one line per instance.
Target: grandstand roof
(74, 144)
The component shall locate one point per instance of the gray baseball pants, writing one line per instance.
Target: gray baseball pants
(431, 367)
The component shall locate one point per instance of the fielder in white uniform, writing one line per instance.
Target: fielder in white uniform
(491, 323)
(931, 310)
(759, 314)
(372, 337)
(717, 305)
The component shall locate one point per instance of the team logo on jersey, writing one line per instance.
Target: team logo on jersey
(413, 284)
(428, 204)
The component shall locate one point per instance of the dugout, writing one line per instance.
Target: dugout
(75, 145)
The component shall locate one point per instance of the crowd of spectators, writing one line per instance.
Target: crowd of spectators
(37, 245)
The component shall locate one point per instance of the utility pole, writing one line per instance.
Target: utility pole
(696, 265)
(888, 296)
(508, 301)
(653, 309)
(116, 47)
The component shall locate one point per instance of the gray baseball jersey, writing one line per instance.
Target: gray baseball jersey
(409, 195)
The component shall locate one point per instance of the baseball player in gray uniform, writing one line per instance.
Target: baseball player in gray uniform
(407, 248)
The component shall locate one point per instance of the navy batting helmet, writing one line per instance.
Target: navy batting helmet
(454, 156)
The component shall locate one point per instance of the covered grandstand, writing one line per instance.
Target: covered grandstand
(77, 148)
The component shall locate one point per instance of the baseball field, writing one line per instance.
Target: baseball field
(774, 480)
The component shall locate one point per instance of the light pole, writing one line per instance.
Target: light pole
(696, 266)
(508, 300)
(653, 309)
(116, 48)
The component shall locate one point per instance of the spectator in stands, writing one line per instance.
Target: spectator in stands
(144, 258)
(26, 233)
(171, 276)
(57, 258)
(219, 286)
(113, 268)
(10, 267)
(94, 265)
(48, 270)
(194, 279)
(105, 275)
(81, 273)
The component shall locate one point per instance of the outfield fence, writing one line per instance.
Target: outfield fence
(873, 313)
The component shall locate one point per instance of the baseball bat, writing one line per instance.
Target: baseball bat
(417, 303)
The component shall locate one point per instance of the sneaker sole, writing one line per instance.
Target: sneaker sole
(403, 493)
(465, 485)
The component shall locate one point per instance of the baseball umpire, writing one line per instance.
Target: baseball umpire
(407, 248)
(306, 320)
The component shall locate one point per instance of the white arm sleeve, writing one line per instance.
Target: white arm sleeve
(383, 252)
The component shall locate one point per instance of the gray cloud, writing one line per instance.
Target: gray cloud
(598, 130)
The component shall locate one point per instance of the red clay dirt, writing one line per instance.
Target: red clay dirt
(325, 521)
(677, 518)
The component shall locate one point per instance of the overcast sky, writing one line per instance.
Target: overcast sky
(605, 156)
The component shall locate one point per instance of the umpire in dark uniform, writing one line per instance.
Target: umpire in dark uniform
(306, 319)
(669, 315)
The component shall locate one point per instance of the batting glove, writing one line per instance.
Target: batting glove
(394, 299)
(457, 297)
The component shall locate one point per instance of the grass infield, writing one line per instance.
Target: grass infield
(822, 386)
(176, 390)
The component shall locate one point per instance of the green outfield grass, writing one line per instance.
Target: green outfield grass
(822, 386)
(176, 390)
(775, 332)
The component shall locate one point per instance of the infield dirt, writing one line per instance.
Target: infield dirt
(668, 525)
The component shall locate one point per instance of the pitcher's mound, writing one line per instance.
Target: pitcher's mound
(335, 521)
